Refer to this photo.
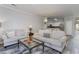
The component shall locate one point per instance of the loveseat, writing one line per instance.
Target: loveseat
(11, 37)
(53, 38)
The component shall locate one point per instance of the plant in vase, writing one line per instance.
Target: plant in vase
(30, 34)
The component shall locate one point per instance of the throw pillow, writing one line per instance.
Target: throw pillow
(47, 35)
(4, 36)
(11, 34)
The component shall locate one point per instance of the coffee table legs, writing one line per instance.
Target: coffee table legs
(30, 51)
(43, 47)
(18, 43)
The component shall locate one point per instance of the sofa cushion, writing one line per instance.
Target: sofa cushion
(41, 32)
(4, 35)
(11, 34)
(57, 34)
(63, 39)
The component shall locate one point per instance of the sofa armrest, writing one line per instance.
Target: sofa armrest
(63, 39)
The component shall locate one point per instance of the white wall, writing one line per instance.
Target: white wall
(16, 20)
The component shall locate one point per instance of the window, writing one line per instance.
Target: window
(77, 25)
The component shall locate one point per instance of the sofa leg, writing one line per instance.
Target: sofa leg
(5, 47)
(60, 52)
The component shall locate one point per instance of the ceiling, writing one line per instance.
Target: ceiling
(60, 10)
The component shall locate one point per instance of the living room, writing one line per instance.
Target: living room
(20, 19)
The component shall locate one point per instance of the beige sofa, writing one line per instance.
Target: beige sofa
(53, 38)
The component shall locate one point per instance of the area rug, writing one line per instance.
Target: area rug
(23, 50)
